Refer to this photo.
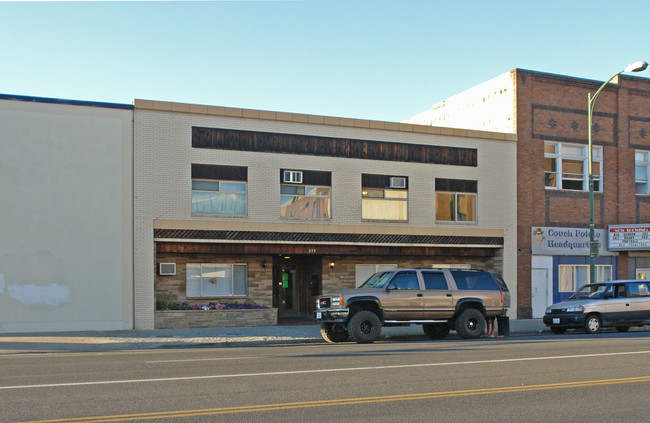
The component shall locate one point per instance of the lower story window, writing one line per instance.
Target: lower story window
(216, 280)
(572, 277)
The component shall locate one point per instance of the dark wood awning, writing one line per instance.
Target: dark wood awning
(261, 242)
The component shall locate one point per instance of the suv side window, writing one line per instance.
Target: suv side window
(405, 280)
(434, 280)
(474, 280)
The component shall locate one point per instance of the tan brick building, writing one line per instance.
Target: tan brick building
(250, 206)
(548, 113)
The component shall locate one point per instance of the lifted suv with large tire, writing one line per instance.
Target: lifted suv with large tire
(438, 299)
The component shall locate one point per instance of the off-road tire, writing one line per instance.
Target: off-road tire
(364, 327)
(592, 324)
(470, 324)
(333, 333)
(558, 331)
(436, 330)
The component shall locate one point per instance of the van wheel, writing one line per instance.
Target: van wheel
(333, 333)
(470, 324)
(592, 324)
(364, 327)
(436, 330)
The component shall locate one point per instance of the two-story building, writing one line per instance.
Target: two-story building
(548, 113)
(272, 208)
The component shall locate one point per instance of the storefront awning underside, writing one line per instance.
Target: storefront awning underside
(334, 239)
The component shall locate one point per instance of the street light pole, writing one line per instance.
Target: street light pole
(593, 247)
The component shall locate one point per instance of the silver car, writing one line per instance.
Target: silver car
(620, 304)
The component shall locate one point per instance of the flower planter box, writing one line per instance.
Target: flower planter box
(179, 319)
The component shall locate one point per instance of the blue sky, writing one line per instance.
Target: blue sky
(382, 60)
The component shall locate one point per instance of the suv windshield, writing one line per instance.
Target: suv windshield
(378, 280)
(589, 291)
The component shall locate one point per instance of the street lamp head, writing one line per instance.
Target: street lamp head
(636, 66)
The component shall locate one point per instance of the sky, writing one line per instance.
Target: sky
(378, 60)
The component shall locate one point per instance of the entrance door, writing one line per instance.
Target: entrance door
(287, 292)
(296, 284)
(539, 287)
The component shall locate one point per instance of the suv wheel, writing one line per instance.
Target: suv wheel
(436, 330)
(333, 333)
(364, 327)
(592, 324)
(470, 324)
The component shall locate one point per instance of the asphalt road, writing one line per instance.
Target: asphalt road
(575, 378)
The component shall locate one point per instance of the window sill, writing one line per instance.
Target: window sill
(228, 216)
(383, 221)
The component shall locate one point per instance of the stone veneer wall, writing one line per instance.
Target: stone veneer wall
(260, 280)
(343, 275)
(180, 319)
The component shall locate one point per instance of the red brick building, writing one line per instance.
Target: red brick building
(548, 113)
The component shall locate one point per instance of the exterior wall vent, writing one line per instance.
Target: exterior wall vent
(292, 177)
(167, 269)
(398, 182)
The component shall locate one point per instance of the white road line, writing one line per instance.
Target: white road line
(297, 372)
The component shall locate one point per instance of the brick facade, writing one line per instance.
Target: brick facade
(551, 107)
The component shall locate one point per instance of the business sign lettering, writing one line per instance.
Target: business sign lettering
(629, 237)
(565, 241)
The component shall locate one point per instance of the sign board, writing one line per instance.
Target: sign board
(629, 237)
(554, 241)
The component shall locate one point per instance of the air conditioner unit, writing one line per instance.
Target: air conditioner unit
(167, 269)
(292, 177)
(398, 182)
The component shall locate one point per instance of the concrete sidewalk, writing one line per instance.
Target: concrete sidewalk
(213, 337)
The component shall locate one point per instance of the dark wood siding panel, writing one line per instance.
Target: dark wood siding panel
(267, 142)
(312, 177)
(378, 181)
(456, 185)
(228, 173)
(319, 249)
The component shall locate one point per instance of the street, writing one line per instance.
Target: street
(574, 377)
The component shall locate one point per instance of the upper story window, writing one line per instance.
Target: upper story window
(305, 194)
(642, 161)
(456, 200)
(219, 190)
(384, 197)
(566, 166)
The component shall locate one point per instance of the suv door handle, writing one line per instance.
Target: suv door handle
(448, 294)
(419, 295)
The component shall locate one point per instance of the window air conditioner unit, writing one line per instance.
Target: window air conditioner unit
(167, 269)
(292, 177)
(398, 182)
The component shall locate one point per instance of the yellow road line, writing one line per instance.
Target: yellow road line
(348, 401)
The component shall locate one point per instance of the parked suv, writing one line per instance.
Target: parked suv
(620, 304)
(438, 299)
